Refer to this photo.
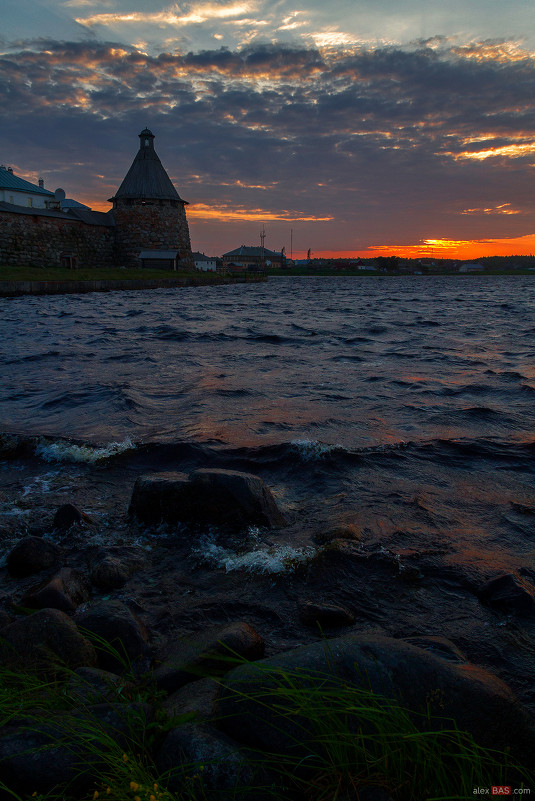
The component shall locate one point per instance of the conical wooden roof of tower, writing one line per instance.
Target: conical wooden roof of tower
(147, 177)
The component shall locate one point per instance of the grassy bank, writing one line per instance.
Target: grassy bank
(353, 738)
(98, 274)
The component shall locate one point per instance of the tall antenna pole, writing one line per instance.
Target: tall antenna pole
(262, 237)
(291, 243)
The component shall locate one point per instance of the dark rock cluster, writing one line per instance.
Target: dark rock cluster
(225, 692)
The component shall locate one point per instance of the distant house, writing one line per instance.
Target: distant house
(205, 263)
(471, 268)
(251, 256)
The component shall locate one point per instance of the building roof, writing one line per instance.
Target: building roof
(202, 257)
(147, 177)
(69, 203)
(90, 217)
(73, 215)
(10, 181)
(256, 251)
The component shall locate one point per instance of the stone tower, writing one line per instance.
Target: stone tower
(148, 211)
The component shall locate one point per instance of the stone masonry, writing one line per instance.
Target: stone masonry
(39, 241)
(151, 226)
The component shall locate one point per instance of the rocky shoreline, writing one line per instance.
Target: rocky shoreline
(187, 628)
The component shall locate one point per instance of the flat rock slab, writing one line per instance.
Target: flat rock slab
(209, 653)
(225, 498)
(252, 707)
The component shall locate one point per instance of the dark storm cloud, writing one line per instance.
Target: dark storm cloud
(361, 131)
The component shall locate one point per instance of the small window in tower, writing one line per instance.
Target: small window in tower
(30, 201)
(147, 142)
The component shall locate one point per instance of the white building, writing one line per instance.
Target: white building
(18, 192)
(207, 264)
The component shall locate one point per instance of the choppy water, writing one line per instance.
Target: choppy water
(402, 404)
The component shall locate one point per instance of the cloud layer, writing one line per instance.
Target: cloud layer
(350, 147)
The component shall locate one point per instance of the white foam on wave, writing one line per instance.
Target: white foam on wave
(61, 451)
(311, 450)
(267, 559)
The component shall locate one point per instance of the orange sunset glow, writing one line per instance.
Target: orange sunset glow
(335, 137)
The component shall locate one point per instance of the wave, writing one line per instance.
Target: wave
(262, 558)
(65, 451)
(190, 454)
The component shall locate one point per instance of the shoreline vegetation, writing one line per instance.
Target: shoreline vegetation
(26, 280)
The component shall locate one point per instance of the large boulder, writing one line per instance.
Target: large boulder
(254, 709)
(224, 767)
(47, 641)
(209, 653)
(31, 555)
(224, 498)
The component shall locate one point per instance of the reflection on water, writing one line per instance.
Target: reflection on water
(405, 404)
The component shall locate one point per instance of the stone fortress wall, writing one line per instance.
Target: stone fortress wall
(36, 240)
(148, 215)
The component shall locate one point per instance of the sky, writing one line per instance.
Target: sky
(348, 127)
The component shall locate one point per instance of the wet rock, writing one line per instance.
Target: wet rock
(239, 499)
(340, 532)
(186, 748)
(251, 712)
(197, 698)
(224, 498)
(324, 615)
(509, 593)
(439, 646)
(31, 555)
(89, 685)
(48, 641)
(123, 638)
(109, 574)
(68, 515)
(66, 590)
(209, 653)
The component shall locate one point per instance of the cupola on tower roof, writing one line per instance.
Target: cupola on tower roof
(147, 179)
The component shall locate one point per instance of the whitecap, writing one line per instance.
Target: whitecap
(267, 559)
(310, 450)
(62, 451)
